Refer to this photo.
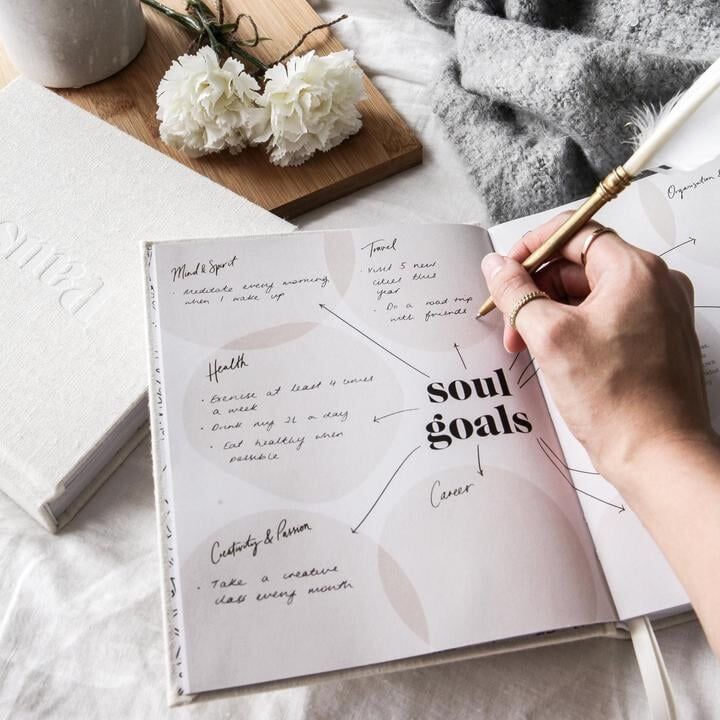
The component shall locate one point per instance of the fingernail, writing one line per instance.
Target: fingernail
(491, 265)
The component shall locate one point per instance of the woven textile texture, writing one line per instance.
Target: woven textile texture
(538, 93)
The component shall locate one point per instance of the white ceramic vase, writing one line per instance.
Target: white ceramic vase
(71, 43)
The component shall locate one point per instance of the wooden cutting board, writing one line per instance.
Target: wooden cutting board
(384, 146)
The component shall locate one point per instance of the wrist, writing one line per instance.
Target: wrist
(660, 456)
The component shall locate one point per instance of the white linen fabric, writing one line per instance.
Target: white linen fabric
(80, 616)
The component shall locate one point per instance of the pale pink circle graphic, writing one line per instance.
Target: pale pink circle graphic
(519, 576)
(424, 295)
(323, 434)
(338, 615)
(659, 214)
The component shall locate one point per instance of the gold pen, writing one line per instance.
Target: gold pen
(687, 121)
(608, 189)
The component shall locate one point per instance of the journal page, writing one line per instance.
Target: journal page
(675, 216)
(350, 456)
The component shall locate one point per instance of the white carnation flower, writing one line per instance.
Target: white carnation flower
(205, 108)
(310, 104)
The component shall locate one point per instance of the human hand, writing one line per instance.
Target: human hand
(616, 344)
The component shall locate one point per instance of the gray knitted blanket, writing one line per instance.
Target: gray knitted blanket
(537, 97)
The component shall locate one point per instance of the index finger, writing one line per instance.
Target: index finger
(604, 254)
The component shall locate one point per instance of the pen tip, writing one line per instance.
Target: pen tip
(485, 308)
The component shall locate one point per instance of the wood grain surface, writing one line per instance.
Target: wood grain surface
(384, 146)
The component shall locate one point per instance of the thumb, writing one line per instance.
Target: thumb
(508, 282)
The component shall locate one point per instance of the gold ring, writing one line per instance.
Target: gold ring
(522, 302)
(591, 238)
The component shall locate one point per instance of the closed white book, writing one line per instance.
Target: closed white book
(76, 198)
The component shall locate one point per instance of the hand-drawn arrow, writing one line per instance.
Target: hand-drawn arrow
(390, 352)
(562, 462)
(397, 412)
(558, 467)
(529, 378)
(457, 350)
(675, 247)
(525, 369)
(387, 485)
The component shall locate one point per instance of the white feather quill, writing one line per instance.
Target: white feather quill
(645, 118)
(684, 133)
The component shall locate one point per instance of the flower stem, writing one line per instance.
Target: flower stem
(305, 36)
(206, 27)
(235, 49)
(185, 20)
(202, 23)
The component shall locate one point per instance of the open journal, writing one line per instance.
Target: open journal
(352, 471)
